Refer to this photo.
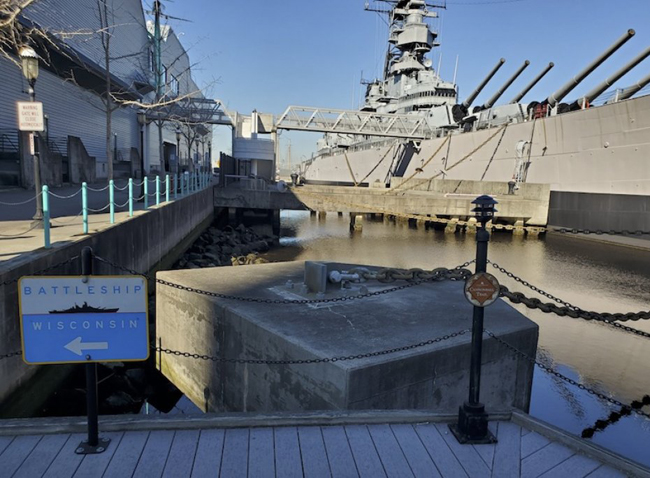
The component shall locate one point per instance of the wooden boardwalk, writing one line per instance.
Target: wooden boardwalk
(377, 450)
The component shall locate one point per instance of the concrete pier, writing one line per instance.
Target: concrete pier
(430, 377)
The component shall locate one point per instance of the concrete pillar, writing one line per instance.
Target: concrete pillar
(322, 215)
(519, 228)
(471, 226)
(421, 223)
(340, 213)
(312, 213)
(275, 221)
(451, 226)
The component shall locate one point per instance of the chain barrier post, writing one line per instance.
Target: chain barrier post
(472, 426)
(175, 186)
(93, 444)
(146, 192)
(46, 216)
(130, 197)
(167, 188)
(111, 199)
(157, 190)
(84, 206)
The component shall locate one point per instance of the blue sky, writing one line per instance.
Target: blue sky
(267, 55)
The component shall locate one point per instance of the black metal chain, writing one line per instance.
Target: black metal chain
(11, 354)
(551, 371)
(311, 361)
(614, 416)
(457, 273)
(567, 308)
(600, 232)
(42, 271)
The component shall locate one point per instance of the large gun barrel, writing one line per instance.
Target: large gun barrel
(559, 95)
(630, 91)
(470, 99)
(598, 90)
(530, 86)
(490, 103)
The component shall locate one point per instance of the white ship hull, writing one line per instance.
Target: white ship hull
(596, 161)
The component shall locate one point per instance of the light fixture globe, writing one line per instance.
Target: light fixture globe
(29, 60)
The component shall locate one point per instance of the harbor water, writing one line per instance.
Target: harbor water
(591, 275)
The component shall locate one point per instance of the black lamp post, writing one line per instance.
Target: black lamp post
(472, 427)
(178, 148)
(209, 158)
(29, 60)
(142, 121)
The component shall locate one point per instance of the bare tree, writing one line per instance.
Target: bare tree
(12, 33)
(193, 116)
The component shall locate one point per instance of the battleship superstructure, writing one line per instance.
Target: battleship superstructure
(592, 157)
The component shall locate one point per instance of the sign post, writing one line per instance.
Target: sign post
(84, 319)
(482, 289)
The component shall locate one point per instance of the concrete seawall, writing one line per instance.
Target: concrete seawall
(139, 243)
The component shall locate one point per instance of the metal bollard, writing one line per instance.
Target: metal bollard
(167, 188)
(146, 192)
(157, 190)
(111, 199)
(175, 187)
(46, 216)
(130, 197)
(84, 206)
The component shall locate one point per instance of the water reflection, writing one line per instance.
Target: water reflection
(590, 275)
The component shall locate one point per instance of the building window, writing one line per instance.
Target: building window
(173, 85)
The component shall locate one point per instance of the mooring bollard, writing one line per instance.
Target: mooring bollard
(482, 289)
(130, 197)
(46, 216)
(111, 199)
(84, 206)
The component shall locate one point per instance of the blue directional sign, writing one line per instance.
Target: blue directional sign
(71, 319)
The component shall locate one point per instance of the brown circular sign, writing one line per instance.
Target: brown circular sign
(482, 289)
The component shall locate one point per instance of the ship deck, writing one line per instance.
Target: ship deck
(318, 445)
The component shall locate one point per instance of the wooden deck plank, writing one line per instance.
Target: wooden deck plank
(487, 451)
(578, 466)
(439, 451)
(41, 456)
(390, 453)
(314, 456)
(364, 452)
(544, 459)
(14, 455)
(531, 443)
(339, 454)
(154, 456)
(507, 451)
(127, 455)
(468, 457)
(606, 472)
(95, 465)
(207, 461)
(4, 443)
(416, 454)
(234, 461)
(288, 462)
(182, 453)
(261, 453)
(67, 461)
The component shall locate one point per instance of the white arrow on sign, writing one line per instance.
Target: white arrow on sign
(76, 346)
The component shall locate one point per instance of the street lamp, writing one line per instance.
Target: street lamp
(142, 121)
(209, 159)
(178, 147)
(29, 60)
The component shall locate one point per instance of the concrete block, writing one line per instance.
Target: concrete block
(433, 377)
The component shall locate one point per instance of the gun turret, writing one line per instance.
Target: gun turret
(559, 95)
(598, 90)
(461, 110)
(530, 86)
(630, 91)
(490, 103)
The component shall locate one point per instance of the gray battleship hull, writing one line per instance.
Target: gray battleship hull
(596, 161)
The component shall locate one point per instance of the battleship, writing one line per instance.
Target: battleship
(593, 157)
(85, 309)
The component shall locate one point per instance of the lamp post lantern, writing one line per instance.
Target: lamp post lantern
(29, 61)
